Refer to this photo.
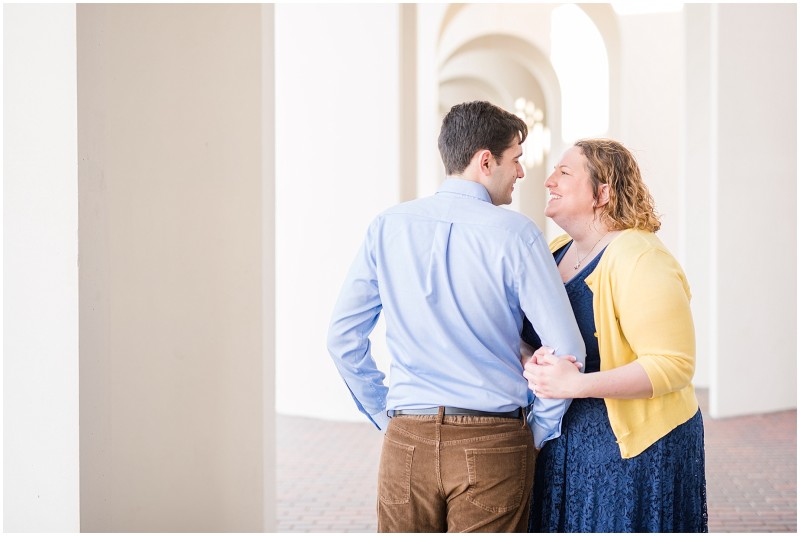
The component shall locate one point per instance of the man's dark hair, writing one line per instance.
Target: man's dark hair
(472, 126)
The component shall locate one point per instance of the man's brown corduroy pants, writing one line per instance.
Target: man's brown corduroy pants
(455, 474)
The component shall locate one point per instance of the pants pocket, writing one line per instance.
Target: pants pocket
(394, 473)
(497, 477)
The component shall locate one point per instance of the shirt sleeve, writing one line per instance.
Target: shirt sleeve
(354, 317)
(546, 305)
(656, 319)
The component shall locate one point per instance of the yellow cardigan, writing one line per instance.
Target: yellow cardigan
(641, 313)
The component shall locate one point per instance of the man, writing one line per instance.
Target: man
(454, 275)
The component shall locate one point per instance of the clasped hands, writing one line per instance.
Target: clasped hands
(552, 376)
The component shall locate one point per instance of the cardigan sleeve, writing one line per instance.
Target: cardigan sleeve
(656, 320)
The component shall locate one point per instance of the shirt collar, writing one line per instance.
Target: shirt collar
(453, 185)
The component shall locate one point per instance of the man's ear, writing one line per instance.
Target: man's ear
(485, 161)
(602, 195)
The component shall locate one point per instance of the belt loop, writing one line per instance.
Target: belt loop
(440, 415)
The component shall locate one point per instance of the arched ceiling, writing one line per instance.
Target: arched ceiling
(515, 43)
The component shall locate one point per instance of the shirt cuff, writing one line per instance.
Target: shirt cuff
(545, 421)
(542, 434)
(380, 419)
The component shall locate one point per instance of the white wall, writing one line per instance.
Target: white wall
(652, 96)
(174, 411)
(337, 161)
(40, 270)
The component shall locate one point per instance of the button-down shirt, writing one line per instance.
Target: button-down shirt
(454, 276)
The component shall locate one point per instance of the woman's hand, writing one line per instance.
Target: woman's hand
(547, 351)
(551, 376)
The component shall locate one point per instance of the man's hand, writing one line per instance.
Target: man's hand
(525, 351)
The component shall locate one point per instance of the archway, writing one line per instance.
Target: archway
(504, 53)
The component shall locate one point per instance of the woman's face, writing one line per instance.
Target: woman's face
(571, 198)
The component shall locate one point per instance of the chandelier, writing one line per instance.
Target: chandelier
(537, 144)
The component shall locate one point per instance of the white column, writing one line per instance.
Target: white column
(40, 266)
(756, 228)
(741, 192)
(337, 166)
(699, 192)
(172, 371)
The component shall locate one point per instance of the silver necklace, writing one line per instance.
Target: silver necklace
(578, 264)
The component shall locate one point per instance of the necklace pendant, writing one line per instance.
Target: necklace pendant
(577, 266)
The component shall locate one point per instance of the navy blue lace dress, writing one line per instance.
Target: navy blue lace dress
(582, 484)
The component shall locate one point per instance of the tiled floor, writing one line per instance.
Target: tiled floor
(327, 474)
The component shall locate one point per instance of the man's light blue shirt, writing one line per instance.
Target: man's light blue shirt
(454, 275)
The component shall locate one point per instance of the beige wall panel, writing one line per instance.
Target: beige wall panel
(169, 122)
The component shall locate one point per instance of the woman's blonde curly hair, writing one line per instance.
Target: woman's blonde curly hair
(630, 205)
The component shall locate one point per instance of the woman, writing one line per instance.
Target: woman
(631, 455)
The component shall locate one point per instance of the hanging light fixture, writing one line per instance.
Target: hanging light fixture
(537, 144)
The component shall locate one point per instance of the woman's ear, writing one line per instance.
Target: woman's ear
(602, 195)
